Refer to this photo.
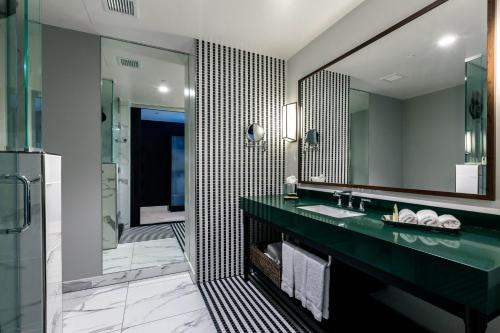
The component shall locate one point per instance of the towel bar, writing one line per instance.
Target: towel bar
(283, 238)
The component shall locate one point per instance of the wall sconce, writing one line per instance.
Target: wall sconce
(468, 142)
(289, 122)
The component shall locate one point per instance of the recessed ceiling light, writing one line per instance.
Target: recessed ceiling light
(163, 88)
(391, 77)
(447, 40)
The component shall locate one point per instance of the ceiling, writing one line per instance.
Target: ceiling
(413, 52)
(278, 28)
(140, 85)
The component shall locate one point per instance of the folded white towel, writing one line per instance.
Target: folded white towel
(320, 178)
(315, 285)
(429, 241)
(408, 216)
(409, 238)
(450, 243)
(274, 250)
(287, 280)
(449, 221)
(300, 274)
(427, 217)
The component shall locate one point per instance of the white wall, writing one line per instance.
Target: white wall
(349, 32)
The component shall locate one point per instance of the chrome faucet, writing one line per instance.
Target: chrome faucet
(338, 195)
(349, 193)
(362, 204)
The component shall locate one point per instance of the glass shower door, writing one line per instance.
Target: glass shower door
(22, 256)
(21, 246)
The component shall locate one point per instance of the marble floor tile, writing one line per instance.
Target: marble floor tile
(94, 310)
(198, 321)
(158, 214)
(160, 298)
(157, 253)
(117, 260)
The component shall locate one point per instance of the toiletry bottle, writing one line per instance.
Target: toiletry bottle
(395, 213)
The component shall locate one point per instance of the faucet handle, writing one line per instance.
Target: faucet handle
(338, 195)
(362, 203)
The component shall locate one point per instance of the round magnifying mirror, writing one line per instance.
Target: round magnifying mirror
(312, 137)
(255, 133)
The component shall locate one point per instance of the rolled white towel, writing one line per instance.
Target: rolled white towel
(429, 241)
(409, 238)
(427, 217)
(449, 221)
(408, 216)
(450, 243)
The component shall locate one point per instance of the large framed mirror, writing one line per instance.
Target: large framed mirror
(410, 110)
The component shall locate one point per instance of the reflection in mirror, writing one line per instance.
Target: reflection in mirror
(408, 111)
(255, 133)
(142, 136)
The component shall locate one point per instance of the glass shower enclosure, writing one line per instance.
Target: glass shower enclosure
(22, 272)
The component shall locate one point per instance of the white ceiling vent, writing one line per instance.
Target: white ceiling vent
(127, 62)
(125, 7)
(391, 77)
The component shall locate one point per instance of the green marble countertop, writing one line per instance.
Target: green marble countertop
(463, 267)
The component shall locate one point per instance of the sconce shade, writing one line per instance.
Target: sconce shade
(289, 122)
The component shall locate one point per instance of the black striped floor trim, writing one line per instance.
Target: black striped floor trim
(179, 229)
(238, 306)
(153, 232)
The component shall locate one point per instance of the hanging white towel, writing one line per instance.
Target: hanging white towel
(315, 285)
(287, 280)
(300, 274)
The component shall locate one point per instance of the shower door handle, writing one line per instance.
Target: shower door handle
(26, 201)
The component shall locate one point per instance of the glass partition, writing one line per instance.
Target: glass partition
(20, 75)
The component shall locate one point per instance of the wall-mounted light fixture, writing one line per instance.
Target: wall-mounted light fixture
(289, 122)
(468, 142)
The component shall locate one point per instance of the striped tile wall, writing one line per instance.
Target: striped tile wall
(325, 107)
(235, 88)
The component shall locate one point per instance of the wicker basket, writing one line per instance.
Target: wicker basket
(266, 265)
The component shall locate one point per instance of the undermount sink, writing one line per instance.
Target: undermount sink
(331, 211)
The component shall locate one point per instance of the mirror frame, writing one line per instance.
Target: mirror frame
(490, 128)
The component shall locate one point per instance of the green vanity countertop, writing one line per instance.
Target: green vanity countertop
(463, 267)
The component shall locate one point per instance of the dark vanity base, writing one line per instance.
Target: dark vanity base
(351, 283)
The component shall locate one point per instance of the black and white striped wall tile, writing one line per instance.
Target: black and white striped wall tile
(325, 107)
(235, 88)
(237, 306)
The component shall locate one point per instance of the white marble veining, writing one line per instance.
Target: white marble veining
(95, 310)
(126, 276)
(53, 238)
(160, 298)
(198, 321)
(109, 206)
(157, 253)
(165, 304)
(123, 213)
(160, 252)
(117, 260)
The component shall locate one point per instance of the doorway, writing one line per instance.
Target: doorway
(144, 106)
(157, 141)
